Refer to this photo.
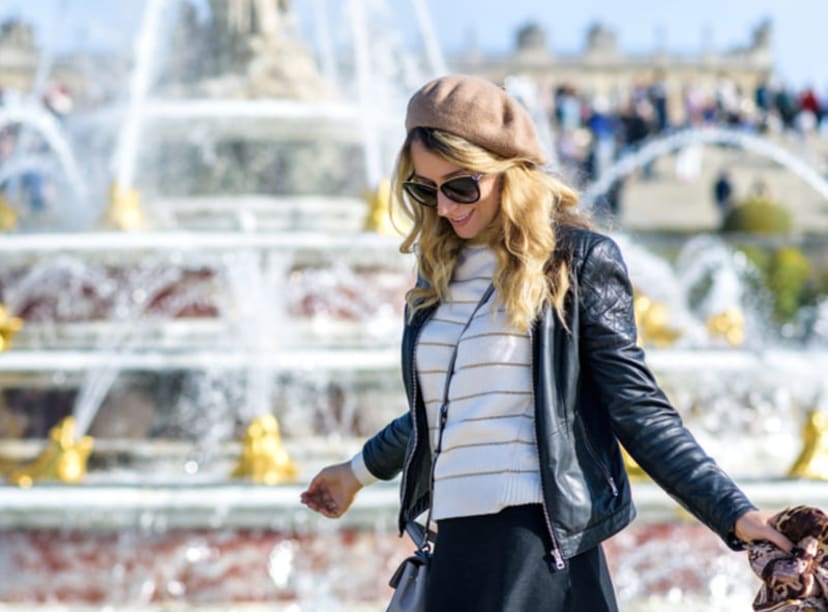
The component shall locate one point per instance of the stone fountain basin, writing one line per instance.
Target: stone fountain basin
(234, 504)
(166, 484)
(771, 362)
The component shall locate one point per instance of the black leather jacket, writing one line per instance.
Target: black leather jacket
(592, 390)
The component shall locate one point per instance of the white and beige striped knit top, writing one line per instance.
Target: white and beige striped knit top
(490, 458)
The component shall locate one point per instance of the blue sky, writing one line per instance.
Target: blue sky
(800, 43)
(799, 38)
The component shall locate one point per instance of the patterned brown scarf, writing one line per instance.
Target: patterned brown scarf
(795, 581)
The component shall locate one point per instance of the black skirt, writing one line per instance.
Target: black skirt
(500, 563)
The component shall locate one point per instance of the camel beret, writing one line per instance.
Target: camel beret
(478, 111)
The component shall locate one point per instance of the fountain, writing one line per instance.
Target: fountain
(57, 158)
(165, 345)
(242, 287)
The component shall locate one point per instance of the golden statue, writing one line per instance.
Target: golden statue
(379, 202)
(729, 324)
(9, 326)
(813, 460)
(63, 459)
(264, 458)
(652, 320)
(124, 211)
(8, 216)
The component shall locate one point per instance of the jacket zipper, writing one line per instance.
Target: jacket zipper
(555, 551)
(413, 408)
(607, 476)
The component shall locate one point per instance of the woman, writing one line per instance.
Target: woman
(522, 430)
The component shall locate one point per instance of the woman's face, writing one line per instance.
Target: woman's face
(468, 220)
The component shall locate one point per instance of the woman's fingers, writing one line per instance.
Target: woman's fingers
(753, 525)
(331, 491)
(320, 496)
(780, 540)
(316, 494)
(325, 504)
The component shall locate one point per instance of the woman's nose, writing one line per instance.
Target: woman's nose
(444, 204)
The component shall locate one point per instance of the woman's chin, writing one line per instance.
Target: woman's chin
(468, 230)
(466, 235)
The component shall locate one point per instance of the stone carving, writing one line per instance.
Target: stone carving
(247, 49)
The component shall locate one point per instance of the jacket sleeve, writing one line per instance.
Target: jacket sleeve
(642, 418)
(384, 453)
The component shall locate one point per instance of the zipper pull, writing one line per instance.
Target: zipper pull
(613, 487)
(559, 561)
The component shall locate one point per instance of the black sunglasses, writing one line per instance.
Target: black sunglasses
(462, 190)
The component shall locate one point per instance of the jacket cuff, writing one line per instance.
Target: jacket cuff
(361, 472)
(730, 538)
(734, 543)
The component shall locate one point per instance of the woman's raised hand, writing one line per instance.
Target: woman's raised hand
(332, 491)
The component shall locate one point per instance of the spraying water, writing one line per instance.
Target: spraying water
(37, 119)
(146, 45)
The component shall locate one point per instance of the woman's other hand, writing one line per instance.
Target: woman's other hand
(332, 491)
(753, 525)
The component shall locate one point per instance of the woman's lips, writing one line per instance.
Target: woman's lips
(461, 221)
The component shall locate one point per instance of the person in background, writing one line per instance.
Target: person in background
(523, 376)
(723, 193)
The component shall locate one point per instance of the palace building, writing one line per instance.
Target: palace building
(603, 70)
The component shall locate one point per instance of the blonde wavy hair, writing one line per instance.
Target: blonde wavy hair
(528, 272)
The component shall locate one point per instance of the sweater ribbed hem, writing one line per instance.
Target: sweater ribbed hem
(466, 497)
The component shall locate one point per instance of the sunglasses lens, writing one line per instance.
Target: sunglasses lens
(424, 194)
(463, 190)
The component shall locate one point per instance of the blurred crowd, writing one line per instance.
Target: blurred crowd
(586, 123)
(591, 132)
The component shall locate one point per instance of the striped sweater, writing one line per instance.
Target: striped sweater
(489, 459)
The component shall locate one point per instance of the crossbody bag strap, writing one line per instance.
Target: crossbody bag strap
(424, 543)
